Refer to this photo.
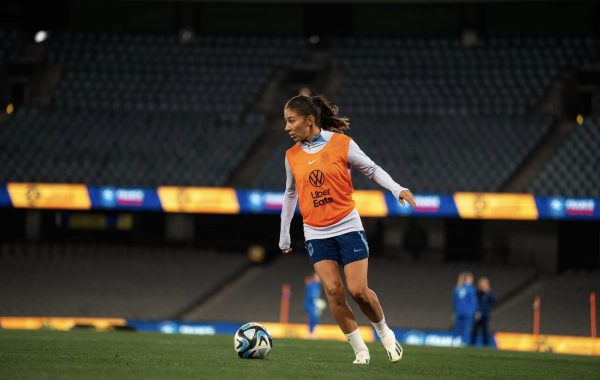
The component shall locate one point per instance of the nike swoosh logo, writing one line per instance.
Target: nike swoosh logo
(357, 250)
(310, 162)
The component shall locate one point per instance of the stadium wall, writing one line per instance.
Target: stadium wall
(501, 340)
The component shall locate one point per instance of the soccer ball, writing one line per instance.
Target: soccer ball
(252, 341)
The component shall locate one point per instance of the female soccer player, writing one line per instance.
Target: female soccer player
(318, 174)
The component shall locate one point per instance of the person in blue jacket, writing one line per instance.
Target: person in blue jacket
(464, 307)
(313, 303)
(485, 300)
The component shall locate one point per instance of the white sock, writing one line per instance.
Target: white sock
(380, 327)
(356, 341)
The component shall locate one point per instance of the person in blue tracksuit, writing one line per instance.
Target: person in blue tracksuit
(313, 304)
(485, 300)
(464, 307)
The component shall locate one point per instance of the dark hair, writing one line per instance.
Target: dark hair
(324, 112)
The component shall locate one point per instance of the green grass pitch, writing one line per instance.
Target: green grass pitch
(127, 355)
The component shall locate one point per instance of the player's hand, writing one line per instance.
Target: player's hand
(286, 250)
(408, 196)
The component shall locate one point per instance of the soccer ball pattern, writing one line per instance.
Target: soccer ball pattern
(252, 341)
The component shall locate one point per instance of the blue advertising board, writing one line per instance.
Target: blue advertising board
(568, 208)
(434, 205)
(440, 338)
(123, 198)
(189, 328)
(4, 197)
(260, 202)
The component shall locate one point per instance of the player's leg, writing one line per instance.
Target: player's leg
(475, 332)
(324, 256)
(355, 254)
(466, 333)
(485, 331)
(329, 273)
(331, 278)
(354, 251)
(356, 280)
(459, 323)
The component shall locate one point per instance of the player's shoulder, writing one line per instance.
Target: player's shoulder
(293, 149)
(338, 135)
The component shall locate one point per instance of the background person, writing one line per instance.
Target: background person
(485, 300)
(464, 307)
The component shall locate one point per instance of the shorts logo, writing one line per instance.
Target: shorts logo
(310, 249)
(316, 178)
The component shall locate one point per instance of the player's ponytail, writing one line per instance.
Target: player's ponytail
(330, 119)
(325, 113)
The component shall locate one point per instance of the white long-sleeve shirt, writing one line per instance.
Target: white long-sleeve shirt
(356, 159)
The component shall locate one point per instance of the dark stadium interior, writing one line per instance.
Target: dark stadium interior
(457, 96)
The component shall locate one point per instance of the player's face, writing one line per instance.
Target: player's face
(297, 126)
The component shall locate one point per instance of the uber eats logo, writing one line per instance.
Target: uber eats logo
(320, 197)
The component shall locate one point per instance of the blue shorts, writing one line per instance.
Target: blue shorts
(344, 249)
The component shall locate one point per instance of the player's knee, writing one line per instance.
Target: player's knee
(335, 293)
(359, 294)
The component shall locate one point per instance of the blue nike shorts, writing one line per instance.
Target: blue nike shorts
(344, 249)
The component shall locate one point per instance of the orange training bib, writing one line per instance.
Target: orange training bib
(323, 181)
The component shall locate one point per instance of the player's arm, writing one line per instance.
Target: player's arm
(358, 159)
(290, 199)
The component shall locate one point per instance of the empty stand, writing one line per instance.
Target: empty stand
(575, 169)
(124, 148)
(154, 283)
(107, 281)
(564, 310)
(145, 110)
(217, 76)
(413, 295)
(443, 77)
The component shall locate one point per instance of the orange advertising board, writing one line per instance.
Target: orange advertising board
(49, 196)
(199, 200)
(370, 202)
(58, 323)
(496, 206)
(548, 343)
